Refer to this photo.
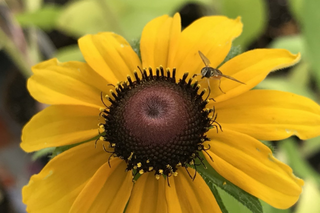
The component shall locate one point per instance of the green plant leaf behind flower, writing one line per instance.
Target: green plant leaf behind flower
(44, 18)
(69, 53)
(293, 43)
(295, 160)
(310, 21)
(253, 15)
(212, 179)
(124, 17)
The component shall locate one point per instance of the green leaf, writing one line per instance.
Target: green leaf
(311, 30)
(234, 51)
(213, 178)
(135, 44)
(124, 17)
(216, 195)
(269, 209)
(61, 149)
(42, 153)
(69, 53)
(295, 8)
(269, 145)
(293, 43)
(282, 84)
(232, 205)
(300, 75)
(311, 147)
(253, 15)
(298, 164)
(44, 18)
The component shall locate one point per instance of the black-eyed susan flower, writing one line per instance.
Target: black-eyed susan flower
(154, 121)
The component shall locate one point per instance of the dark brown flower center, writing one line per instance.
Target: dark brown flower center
(155, 123)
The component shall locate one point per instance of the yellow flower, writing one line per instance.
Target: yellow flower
(151, 121)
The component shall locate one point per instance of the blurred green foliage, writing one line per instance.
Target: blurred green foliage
(127, 18)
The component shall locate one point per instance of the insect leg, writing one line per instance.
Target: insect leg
(220, 87)
(209, 90)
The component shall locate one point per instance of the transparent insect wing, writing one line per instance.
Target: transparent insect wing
(204, 59)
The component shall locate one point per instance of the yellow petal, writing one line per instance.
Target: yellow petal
(251, 68)
(148, 195)
(58, 126)
(110, 55)
(212, 36)
(107, 191)
(187, 195)
(270, 115)
(250, 165)
(56, 187)
(73, 83)
(159, 41)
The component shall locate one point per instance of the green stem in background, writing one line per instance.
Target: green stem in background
(111, 17)
(14, 53)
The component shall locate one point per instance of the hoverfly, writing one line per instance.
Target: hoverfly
(208, 72)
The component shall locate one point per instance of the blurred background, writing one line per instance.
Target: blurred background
(35, 30)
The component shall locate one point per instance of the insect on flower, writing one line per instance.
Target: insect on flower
(208, 72)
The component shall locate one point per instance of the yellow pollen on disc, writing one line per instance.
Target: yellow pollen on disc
(148, 161)
(150, 168)
(191, 162)
(179, 164)
(193, 155)
(139, 165)
(113, 145)
(101, 110)
(141, 172)
(107, 96)
(160, 171)
(175, 174)
(157, 177)
(130, 157)
(101, 138)
(134, 167)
